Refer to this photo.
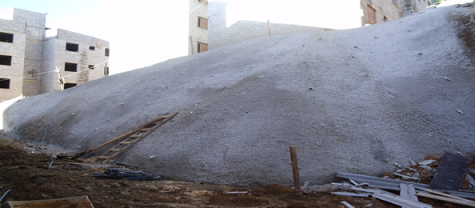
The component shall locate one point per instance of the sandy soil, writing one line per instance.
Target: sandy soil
(29, 178)
(352, 101)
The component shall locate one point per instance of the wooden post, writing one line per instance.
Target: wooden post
(268, 26)
(295, 168)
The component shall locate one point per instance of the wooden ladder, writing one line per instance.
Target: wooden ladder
(128, 139)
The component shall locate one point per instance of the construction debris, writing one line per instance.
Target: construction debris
(120, 173)
(347, 204)
(448, 180)
(388, 184)
(77, 201)
(446, 197)
(237, 192)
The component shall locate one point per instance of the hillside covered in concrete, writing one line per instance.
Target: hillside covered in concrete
(353, 100)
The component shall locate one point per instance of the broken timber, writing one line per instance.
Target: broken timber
(128, 139)
(394, 184)
(450, 173)
(446, 197)
(388, 184)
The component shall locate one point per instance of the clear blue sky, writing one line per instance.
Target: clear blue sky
(141, 32)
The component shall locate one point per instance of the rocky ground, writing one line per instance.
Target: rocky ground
(29, 178)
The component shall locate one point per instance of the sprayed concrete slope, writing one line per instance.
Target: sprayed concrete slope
(355, 101)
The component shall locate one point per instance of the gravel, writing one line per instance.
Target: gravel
(351, 101)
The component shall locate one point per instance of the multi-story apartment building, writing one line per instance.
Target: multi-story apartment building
(31, 64)
(74, 58)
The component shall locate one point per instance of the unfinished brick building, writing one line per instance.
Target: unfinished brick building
(378, 11)
(31, 64)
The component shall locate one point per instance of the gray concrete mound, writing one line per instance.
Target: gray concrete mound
(353, 100)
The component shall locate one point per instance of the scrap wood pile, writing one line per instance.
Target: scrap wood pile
(447, 178)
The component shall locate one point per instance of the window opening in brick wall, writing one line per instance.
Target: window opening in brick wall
(4, 83)
(107, 52)
(72, 47)
(6, 37)
(385, 19)
(72, 67)
(92, 48)
(202, 47)
(91, 66)
(106, 70)
(202, 23)
(371, 15)
(69, 85)
(5, 60)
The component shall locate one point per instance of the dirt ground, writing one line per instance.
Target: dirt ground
(29, 178)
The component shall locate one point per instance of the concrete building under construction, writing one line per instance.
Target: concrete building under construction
(32, 64)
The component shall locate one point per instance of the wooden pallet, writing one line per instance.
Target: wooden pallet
(130, 138)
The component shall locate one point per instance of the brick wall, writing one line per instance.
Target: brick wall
(229, 21)
(385, 10)
(35, 33)
(237, 21)
(17, 51)
(34, 19)
(48, 66)
(421, 5)
(414, 6)
(247, 30)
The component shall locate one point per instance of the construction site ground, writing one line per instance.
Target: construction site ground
(29, 178)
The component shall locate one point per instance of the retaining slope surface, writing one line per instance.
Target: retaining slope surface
(352, 101)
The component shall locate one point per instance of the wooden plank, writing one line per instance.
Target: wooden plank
(295, 167)
(125, 142)
(404, 193)
(352, 194)
(204, 47)
(348, 205)
(447, 199)
(450, 174)
(391, 198)
(371, 15)
(390, 184)
(398, 200)
(443, 194)
(412, 192)
(115, 150)
(103, 157)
